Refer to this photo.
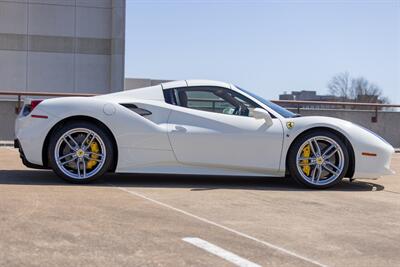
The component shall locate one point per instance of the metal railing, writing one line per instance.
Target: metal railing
(299, 104)
(332, 103)
(287, 103)
(19, 96)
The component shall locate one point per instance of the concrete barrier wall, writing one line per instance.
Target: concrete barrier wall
(7, 120)
(387, 126)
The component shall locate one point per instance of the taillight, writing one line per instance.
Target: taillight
(28, 108)
(34, 104)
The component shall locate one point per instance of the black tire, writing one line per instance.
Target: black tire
(102, 133)
(292, 154)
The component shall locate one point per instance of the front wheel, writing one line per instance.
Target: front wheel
(80, 152)
(318, 159)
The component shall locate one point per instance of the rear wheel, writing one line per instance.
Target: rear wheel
(80, 152)
(318, 159)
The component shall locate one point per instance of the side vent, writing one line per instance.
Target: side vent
(136, 109)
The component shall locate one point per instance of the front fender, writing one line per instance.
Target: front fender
(363, 142)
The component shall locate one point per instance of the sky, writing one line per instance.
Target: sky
(267, 47)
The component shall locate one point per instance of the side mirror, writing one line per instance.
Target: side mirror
(262, 114)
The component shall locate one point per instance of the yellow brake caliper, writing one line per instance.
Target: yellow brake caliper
(94, 147)
(306, 154)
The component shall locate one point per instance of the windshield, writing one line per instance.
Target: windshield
(280, 110)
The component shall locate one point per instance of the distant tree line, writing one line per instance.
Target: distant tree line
(357, 89)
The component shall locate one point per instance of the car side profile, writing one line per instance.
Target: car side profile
(194, 127)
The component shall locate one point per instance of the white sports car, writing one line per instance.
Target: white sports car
(194, 127)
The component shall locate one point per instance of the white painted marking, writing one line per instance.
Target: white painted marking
(270, 245)
(220, 252)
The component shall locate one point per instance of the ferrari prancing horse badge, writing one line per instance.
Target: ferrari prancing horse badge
(290, 124)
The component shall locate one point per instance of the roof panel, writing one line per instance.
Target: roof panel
(174, 84)
(208, 83)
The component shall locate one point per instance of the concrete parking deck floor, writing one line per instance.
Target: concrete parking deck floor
(140, 220)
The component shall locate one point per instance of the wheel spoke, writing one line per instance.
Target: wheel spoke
(73, 140)
(86, 138)
(68, 161)
(316, 174)
(72, 147)
(66, 156)
(89, 158)
(78, 167)
(84, 167)
(67, 142)
(313, 174)
(331, 154)
(90, 142)
(306, 164)
(317, 148)
(327, 150)
(330, 170)
(337, 169)
(319, 173)
(94, 154)
(302, 158)
(312, 148)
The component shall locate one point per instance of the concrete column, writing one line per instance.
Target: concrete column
(118, 45)
(62, 45)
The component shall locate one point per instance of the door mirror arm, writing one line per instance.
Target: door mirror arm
(262, 114)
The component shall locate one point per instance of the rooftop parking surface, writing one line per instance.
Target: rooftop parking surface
(169, 220)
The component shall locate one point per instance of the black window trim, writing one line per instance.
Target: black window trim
(173, 91)
(169, 96)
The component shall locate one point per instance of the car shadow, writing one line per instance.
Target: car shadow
(192, 182)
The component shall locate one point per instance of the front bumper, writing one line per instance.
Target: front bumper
(374, 167)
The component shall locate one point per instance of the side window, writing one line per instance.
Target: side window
(207, 101)
(214, 99)
(169, 96)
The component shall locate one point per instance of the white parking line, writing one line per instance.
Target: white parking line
(220, 252)
(282, 250)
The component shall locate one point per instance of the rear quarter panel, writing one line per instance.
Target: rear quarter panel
(130, 130)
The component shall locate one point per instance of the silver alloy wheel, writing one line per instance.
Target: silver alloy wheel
(73, 153)
(326, 160)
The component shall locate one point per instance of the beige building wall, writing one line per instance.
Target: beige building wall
(62, 45)
(134, 83)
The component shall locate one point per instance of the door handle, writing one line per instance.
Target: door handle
(179, 129)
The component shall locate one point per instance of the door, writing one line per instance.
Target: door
(212, 126)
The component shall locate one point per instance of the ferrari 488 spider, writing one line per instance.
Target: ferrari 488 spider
(194, 127)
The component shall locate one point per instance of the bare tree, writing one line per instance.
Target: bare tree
(341, 86)
(355, 89)
(366, 91)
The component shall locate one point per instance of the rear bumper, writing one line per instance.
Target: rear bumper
(16, 143)
(31, 134)
(23, 158)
